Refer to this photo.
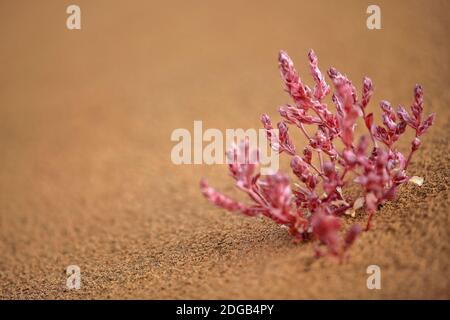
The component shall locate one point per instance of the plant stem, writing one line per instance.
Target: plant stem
(320, 159)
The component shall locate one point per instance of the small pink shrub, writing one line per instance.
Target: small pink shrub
(312, 210)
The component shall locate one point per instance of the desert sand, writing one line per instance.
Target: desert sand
(85, 171)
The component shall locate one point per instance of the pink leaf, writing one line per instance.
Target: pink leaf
(369, 121)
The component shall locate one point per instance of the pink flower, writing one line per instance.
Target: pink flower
(243, 163)
(414, 121)
(326, 229)
(300, 93)
(279, 142)
(321, 88)
(367, 92)
(314, 207)
(223, 201)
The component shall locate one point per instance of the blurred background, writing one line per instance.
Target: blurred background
(85, 122)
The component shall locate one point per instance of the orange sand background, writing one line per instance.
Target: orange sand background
(85, 124)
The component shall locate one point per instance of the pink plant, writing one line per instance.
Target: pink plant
(312, 210)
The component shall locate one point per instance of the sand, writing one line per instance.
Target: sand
(85, 172)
